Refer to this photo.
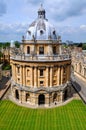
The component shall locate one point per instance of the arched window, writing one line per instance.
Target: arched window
(41, 50)
(28, 50)
(28, 73)
(54, 50)
(41, 72)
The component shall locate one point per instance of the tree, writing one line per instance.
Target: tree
(7, 44)
(17, 44)
(80, 45)
(84, 46)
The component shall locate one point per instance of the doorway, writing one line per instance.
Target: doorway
(65, 95)
(17, 94)
(41, 99)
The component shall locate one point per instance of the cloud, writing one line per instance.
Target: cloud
(61, 10)
(15, 31)
(12, 31)
(3, 8)
(83, 27)
(35, 2)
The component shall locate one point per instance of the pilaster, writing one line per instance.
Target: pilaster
(47, 76)
(35, 77)
(24, 75)
(61, 74)
(51, 76)
(32, 76)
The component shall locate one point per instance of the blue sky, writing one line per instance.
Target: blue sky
(68, 17)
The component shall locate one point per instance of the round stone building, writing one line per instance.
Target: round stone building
(40, 70)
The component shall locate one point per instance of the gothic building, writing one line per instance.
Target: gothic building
(40, 71)
(79, 62)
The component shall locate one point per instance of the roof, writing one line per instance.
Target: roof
(41, 29)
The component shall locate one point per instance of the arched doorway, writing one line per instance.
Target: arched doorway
(16, 94)
(27, 96)
(41, 99)
(55, 97)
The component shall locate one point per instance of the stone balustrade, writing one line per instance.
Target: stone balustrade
(41, 57)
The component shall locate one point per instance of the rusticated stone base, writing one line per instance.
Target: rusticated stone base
(41, 96)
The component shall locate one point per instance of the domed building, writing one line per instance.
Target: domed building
(40, 70)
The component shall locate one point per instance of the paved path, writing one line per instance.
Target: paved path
(79, 85)
(4, 86)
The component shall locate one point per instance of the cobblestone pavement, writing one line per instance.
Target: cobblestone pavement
(4, 85)
(80, 85)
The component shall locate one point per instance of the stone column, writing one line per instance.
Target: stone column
(15, 73)
(51, 76)
(20, 74)
(60, 50)
(61, 97)
(61, 75)
(50, 52)
(23, 96)
(32, 76)
(68, 72)
(47, 76)
(47, 100)
(24, 75)
(35, 77)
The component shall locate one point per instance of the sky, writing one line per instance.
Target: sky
(67, 16)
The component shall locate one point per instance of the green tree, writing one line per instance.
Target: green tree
(7, 44)
(84, 46)
(17, 44)
(80, 45)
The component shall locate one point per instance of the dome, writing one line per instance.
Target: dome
(41, 29)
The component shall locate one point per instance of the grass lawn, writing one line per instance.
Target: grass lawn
(69, 117)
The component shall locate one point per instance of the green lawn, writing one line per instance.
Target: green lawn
(69, 117)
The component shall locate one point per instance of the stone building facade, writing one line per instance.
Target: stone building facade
(79, 62)
(6, 55)
(40, 72)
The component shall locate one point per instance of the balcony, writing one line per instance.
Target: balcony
(41, 57)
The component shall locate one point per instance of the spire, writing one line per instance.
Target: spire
(41, 5)
(41, 12)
